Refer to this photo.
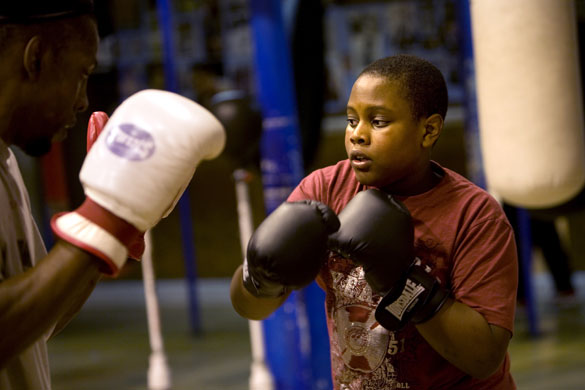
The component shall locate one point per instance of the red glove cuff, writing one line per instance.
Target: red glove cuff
(99, 232)
(125, 232)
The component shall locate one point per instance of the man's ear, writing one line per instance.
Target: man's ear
(32, 57)
(432, 130)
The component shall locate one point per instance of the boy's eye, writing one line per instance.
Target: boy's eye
(380, 122)
(352, 122)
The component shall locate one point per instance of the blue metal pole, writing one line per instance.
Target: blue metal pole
(320, 359)
(291, 332)
(525, 243)
(165, 19)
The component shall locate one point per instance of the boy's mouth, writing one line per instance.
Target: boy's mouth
(359, 160)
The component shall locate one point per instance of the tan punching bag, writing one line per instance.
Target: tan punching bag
(529, 100)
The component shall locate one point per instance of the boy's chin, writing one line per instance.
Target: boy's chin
(367, 179)
(371, 181)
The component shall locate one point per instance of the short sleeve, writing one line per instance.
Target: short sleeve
(485, 272)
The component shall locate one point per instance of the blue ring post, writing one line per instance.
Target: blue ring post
(295, 333)
(165, 20)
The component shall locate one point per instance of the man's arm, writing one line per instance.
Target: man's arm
(249, 306)
(132, 178)
(33, 302)
(464, 338)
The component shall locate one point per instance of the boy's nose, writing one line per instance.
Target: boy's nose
(359, 136)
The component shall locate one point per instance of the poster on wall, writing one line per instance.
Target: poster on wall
(359, 32)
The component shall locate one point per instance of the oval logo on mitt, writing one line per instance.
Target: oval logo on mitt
(130, 142)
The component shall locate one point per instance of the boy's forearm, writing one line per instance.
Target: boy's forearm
(463, 337)
(249, 306)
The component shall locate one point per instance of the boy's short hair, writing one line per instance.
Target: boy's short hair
(423, 83)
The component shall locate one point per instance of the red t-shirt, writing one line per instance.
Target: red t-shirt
(462, 234)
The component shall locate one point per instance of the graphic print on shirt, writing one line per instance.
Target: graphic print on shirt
(366, 355)
(361, 342)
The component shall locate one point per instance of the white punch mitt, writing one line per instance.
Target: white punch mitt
(137, 170)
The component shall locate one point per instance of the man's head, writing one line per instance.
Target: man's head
(395, 115)
(47, 52)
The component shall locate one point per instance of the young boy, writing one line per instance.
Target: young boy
(456, 244)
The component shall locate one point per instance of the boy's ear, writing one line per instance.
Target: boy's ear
(432, 130)
(32, 57)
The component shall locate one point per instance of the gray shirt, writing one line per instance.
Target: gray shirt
(21, 246)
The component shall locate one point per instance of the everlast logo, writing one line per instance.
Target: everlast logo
(407, 299)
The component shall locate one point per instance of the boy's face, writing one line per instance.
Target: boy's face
(383, 141)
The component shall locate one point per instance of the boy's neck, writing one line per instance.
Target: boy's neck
(427, 180)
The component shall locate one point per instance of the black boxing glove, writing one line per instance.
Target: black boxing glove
(377, 233)
(288, 249)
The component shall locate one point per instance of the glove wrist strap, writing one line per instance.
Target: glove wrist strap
(99, 232)
(124, 231)
(418, 300)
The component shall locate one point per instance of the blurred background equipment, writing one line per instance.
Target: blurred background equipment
(292, 346)
(159, 375)
(243, 124)
(530, 111)
(529, 94)
(241, 117)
